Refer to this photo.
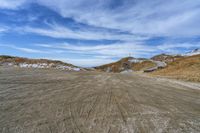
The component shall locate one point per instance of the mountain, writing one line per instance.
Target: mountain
(36, 63)
(194, 52)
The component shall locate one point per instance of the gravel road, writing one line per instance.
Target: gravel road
(53, 101)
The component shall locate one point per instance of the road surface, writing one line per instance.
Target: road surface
(53, 101)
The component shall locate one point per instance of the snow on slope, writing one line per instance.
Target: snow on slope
(194, 52)
(51, 65)
(36, 63)
(135, 60)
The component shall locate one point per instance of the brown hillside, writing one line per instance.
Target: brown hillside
(127, 64)
(17, 60)
(187, 68)
(115, 66)
(143, 65)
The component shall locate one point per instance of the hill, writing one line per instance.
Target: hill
(127, 64)
(166, 58)
(36, 63)
(187, 68)
(116, 66)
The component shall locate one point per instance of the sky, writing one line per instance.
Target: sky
(95, 32)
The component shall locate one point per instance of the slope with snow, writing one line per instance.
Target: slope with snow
(36, 63)
(194, 52)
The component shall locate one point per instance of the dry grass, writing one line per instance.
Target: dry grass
(143, 65)
(115, 66)
(187, 68)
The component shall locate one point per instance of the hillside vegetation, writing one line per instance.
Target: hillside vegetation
(187, 68)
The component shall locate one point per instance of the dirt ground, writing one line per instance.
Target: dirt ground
(53, 101)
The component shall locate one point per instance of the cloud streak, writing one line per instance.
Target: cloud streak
(11, 4)
(111, 50)
(138, 16)
(3, 29)
(32, 50)
(60, 31)
(23, 49)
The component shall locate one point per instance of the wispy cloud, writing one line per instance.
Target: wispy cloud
(174, 48)
(59, 31)
(170, 17)
(11, 4)
(3, 29)
(23, 49)
(31, 50)
(111, 50)
(156, 17)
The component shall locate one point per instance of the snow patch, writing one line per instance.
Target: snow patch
(194, 52)
(136, 60)
(51, 65)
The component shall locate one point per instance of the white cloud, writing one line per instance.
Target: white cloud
(178, 45)
(59, 31)
(27, 50)
(11, 4)
(102, 50)
(155, 17)
(158, 17)
(3, 29)
(31, 50)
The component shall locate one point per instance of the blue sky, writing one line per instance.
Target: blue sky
(95, 32)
